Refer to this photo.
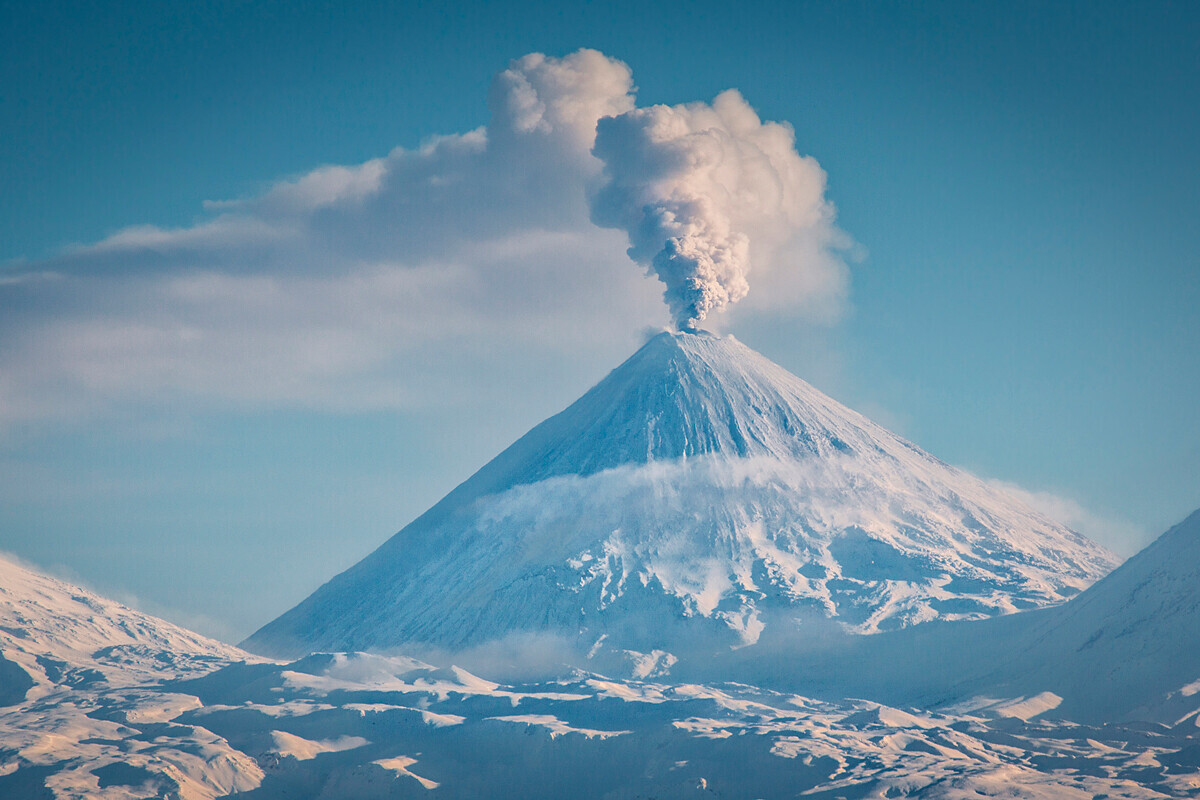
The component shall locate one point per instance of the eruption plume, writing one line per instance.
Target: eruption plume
(701, 188)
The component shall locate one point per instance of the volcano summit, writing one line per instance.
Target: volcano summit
(696, 499)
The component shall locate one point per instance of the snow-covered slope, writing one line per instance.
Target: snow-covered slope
(1127, 647)
(84, 699)
(353, 725)
(364, 726)
(53, 633)
(160, 723)
(696, 495)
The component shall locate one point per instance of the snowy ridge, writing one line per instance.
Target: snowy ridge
(697, 494)
(587, 736)
(1128, 647)
(52, 630)
(81, 683)
(352, 725)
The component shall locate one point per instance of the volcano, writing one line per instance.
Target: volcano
(695, 498)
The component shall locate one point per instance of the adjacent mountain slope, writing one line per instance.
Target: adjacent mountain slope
(54, 634)
(695, 496)
(84, 700)
(1128, 646)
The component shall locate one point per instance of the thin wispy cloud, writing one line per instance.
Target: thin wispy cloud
(1120, 535)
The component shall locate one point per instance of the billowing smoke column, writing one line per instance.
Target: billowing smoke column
(700, 189)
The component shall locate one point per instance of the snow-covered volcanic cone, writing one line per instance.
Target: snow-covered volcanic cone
(697, 496)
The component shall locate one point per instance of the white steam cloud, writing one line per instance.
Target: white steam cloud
(467, 268)
(702, 190)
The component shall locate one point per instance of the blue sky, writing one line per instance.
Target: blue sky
(1020, 183)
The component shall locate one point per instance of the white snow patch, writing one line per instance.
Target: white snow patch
(289, 744)
(400, 765)
(557, 727)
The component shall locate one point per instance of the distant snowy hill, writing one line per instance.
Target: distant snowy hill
(694, 498)
(1127, 647)
(54, 634)
(84, 703)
